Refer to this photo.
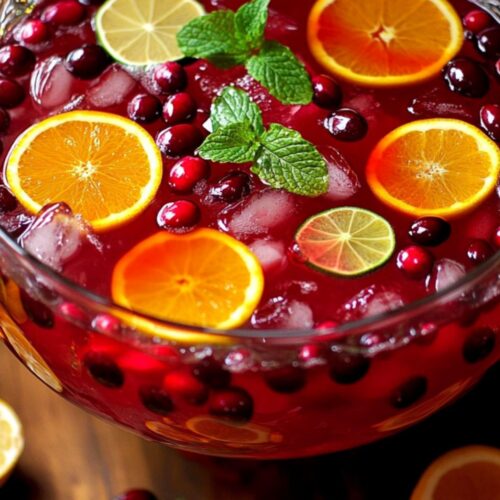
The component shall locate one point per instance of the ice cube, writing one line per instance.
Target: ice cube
(51, 85)
(343, 181)
(271, 254)
(431, 105)
(259, 213)
(111, 89)
(444, 274)
(280, 312)
(299, 315)
(366, 104)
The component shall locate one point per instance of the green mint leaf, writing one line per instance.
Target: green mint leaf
(286, 160)
(251, 19)
(235, 106)
(236, 143)
(214, 37)
(277, 69)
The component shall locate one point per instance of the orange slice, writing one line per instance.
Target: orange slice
(204, 278)
(463, 474)
(105, 167)
(438, 167)
(384, 42)
(11, 440)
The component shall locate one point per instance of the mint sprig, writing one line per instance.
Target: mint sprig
(228, 38)
(281, 157)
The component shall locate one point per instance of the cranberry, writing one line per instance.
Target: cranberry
(140, 363)
(179, 108)
(182, 384)
(479, 251)
(178, 214)
(87, 61)
(409, 392)
(186, 173)
(170, 77)
(496, 237)
(105, 323)
(415, 261)
(233, 402)
(15, 60)
(72, 313)
(4, 120)
(156, 399)
(179, 140)
(136, 495)
(488, 42)
(326, 325)
(466, 77)
(39, 313)
(211, 373)
(346, 125)
(490, 120)
(64, 13)
(286, 380)
(144, 108)
(479, 345)
(476, 20)
(231, 187)
(11, 93)
(327, 91)
(8, 201)
(430, 231)
(104, 370)
(348, 368)
(311, 352)
(33, 32)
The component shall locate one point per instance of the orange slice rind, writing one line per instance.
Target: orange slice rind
(11, 440)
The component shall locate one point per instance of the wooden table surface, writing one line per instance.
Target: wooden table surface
(71, 455)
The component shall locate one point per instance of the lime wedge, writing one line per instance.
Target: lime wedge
(142, 32)
(346, 241)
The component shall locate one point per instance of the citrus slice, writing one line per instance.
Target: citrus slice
(203, 278)
(346, 241)
(384, 42)
(142, 32)
(440, 167)
(462, 474)
(105, 167)
(11, 440)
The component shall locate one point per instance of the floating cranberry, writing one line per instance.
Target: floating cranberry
(170, 77)
(15, 60)
(477, 20)
(409, 392)
(187, 172)
(144, 108)
(479, 345)
(179, 140)
(8, 201)
(87, 61)
(178, 214)
(179, 108)
(4, 120)
(231, 187)
(136, 494)
(140, 363)
(488, 42)
(210, 372)
(310, 353)
(156, 399)
(466, 77)
(286, 380)
(33, 32)
(64, 13)
(11, 93)
(72, 313)
(479, 251)
(184, 385)
(233, 402)
(496, 237)
(490, 120)
(346, 125)
(105, 323)
(326, 325)
(348, 368)
(104, 369)
(415, 262)
(327, 92)
(430, 231)
(39, 313)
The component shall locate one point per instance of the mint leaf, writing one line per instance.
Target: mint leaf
(214, 37)
(251, 19)
(286, 160)
(277, 69)
(235, 106)
(236, 143)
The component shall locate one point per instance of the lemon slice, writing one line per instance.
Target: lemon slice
(11, 440)
(142, 32)
(346, 241)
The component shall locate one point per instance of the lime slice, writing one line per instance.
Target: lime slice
(142, 32)
(346, 241)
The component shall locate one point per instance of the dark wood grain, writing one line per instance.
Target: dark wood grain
(71, 455)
